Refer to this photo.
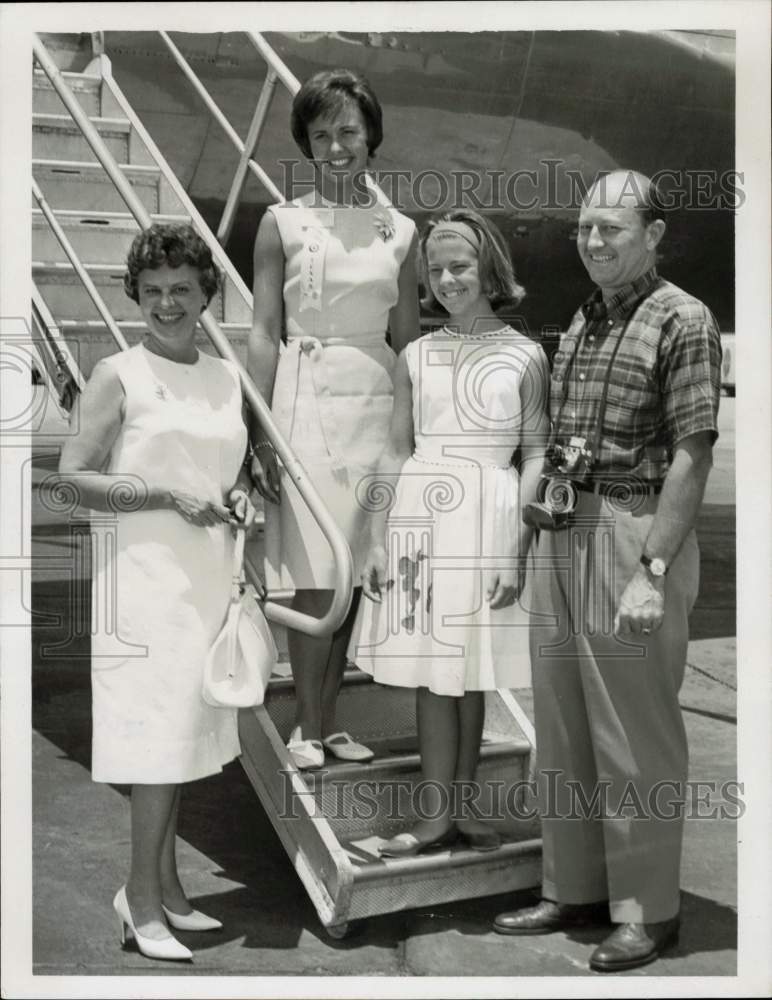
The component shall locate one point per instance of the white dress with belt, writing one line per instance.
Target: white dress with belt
(333, 391)
(162, 586)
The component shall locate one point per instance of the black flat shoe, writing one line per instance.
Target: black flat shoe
(548, 916)
(407, 845)
(633, 945)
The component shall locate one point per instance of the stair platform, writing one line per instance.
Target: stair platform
(332, 821)
(87, 89)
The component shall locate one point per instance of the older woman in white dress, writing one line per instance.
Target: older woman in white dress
(335, 270)
(161, 423)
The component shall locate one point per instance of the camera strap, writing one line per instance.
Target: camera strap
(601, 412)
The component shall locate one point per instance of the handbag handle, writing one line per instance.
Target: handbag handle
(237, 575)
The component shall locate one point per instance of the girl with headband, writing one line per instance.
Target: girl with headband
(446, 567)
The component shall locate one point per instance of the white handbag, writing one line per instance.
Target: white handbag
(240, 660)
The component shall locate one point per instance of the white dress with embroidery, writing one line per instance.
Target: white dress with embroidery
(333, 390)
(453, 521)
(162, 587)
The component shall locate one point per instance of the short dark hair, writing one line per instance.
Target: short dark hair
(324, 94)
(497, 275)
(173, 244)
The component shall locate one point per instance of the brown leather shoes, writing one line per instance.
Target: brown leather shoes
(632, 945)
(548, 916)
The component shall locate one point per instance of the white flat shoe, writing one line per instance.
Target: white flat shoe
(305, 754)
(195, 921)
(168, 948)
(342, 746)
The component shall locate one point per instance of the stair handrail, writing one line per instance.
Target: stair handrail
(77, 264)
(198, 221)
(342, 592)
(277, 71)
(67, 372)
(219, 117)
(274, 62)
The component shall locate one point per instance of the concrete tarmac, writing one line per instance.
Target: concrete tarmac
(235, 868)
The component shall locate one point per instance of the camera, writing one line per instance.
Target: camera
(556, 494)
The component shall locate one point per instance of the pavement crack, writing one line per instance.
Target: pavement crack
(706, 673)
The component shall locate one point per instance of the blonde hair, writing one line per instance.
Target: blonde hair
(497, 275)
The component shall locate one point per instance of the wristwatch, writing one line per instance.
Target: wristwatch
(655, 566)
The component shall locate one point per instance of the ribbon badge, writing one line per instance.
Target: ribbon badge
(312, 268)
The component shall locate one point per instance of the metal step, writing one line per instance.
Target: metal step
(90, 340)
(87, 89)
(56, 136)
(79, 185)
(95, 236)
(332, 821)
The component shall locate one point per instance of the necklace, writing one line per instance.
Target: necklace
(504, 331)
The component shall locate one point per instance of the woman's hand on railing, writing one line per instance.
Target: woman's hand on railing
(202, 513)
(264, 470)
(374, 580)
(242, 511)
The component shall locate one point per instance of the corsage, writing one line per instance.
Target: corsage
(384, 226)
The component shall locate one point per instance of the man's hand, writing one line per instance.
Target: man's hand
(264, 471)
(374, 574)
(642, 605)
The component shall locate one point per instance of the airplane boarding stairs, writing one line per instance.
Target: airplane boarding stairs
(330, 821)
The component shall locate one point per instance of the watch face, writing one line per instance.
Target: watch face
(657, 567)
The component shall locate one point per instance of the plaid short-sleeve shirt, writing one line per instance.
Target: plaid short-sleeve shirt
(665, 380)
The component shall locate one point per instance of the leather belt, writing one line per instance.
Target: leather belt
(619, 487)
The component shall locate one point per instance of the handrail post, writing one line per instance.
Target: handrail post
(219, 117)
(253, 137)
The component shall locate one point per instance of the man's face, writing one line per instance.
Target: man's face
(614, 244)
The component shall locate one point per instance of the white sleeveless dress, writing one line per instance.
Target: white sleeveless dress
(162, 586)
(454, 518)
(333, 390)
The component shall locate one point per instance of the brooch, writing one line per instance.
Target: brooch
(161, 391)
(384, 226)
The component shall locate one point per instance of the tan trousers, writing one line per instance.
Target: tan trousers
(607, 717)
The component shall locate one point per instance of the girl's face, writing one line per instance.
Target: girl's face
(339, 144)
(171, 301)
(452, 266)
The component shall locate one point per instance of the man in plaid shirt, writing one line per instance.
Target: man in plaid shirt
(614, 588)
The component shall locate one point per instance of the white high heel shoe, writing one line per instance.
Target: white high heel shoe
(195, 921)
(166, 948)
